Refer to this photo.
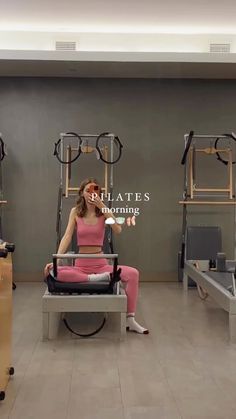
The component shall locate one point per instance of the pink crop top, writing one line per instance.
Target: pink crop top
(89, 234)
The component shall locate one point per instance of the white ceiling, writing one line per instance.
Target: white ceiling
(116, 26)
(158, 16)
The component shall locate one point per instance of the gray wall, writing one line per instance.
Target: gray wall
(151, 117)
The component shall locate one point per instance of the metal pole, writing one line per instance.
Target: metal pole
(112, 155)
(110, 235)
(84, 256)
(60, 195)
(184, 216)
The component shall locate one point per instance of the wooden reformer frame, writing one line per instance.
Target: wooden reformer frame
(209, 151)
(192, 191)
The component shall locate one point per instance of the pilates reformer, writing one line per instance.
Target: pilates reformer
(201, 261)
(218, 284)
(99, 296)
(95, 297)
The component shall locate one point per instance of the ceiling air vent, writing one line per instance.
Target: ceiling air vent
(65, 46)
(220, 48)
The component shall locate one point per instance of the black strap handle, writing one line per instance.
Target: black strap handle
(57, 149)
(2, 149)
(117, 140)
(182, 255)
(232, 136)
(54, 261)
(190, 137)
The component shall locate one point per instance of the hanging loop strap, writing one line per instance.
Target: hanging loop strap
(117, 142)
(58, 145)
(80, 141)
(85, 335)
(2, 149)
(232, 136)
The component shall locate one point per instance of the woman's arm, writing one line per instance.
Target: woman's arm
(66, 239)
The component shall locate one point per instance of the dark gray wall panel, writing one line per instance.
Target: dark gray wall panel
(150, 116)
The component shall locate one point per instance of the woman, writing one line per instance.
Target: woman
(89, 220)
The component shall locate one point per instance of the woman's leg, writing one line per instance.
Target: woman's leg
(130, 276)
(78, 274)
(71, 274)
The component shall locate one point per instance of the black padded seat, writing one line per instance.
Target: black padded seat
(94, 287)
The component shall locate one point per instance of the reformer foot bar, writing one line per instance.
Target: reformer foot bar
(82, 297)
(218, 285)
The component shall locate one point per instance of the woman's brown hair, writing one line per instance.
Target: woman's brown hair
(81, 207)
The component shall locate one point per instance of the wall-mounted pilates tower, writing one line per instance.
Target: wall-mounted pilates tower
(220, 147)
(106, 147)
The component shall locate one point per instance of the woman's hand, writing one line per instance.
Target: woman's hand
(94, 199)
(47, 268)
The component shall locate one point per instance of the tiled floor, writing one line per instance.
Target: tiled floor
(185, 368)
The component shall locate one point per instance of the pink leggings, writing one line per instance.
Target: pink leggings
(84, 267)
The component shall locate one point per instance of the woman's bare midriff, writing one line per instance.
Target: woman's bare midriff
(90, 249)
